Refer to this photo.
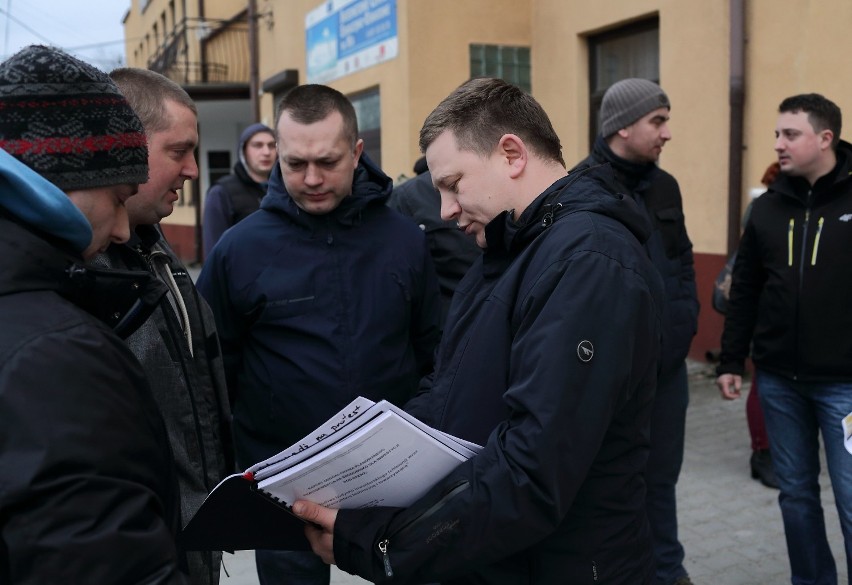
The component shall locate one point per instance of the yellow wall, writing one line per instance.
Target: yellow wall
(801, 48)
(693, 72)
(794, 46)
(433, 59)
(138, 24)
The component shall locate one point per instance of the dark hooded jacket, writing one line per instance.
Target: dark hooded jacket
(314, 310)
(658, 195)
(452, 250)
(88, 492)
(188, 383)
(233, 197)
(792, 280)
(549, 360)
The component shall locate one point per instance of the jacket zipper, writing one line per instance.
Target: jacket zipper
(385, 543)
(801, 282)
(790, 241)
(816, 241)
(804, 247)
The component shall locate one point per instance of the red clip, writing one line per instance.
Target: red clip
(248, 475)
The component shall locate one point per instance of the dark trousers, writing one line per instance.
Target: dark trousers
(668, 425)
(285, 567)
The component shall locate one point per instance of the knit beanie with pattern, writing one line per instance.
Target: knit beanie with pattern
(628, 100)
(68, 121)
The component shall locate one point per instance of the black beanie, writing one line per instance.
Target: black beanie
(68, 121)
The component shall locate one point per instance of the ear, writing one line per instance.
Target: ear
(359, 148)
(624, 132)
(825, 139)
(515, 152)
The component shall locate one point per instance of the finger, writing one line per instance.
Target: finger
(316, 514)
(322, 543)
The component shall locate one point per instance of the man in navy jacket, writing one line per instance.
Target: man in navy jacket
(549, 360)
(322, 295)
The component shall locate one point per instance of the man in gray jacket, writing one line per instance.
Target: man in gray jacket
(178, 345)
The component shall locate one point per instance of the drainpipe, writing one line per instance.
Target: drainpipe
(254, 82)
(196, 183)
(737, 101)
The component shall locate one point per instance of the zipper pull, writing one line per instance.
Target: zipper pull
(383, 548)
(550, 210)
(790, 242)
(816, 241)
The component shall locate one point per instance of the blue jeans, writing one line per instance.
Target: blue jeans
(291, 567)
(795, 413)
(668, 426)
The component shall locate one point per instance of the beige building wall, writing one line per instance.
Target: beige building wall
(693, 71)
(792, 46)
(433, 59)
(795, 46)
(141, 39)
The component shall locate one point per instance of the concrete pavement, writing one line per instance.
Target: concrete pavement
(730, 524)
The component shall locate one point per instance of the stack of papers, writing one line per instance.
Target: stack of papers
(368, 454)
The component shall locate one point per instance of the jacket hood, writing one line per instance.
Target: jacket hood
(246, 135)
(370, 186)
(122, 299)
(592, 189)
(35, 201)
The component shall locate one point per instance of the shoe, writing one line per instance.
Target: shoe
(761, 468)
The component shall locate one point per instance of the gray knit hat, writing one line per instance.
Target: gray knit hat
(628, 100)
(68, 121)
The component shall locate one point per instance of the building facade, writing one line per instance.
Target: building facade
(725, 64)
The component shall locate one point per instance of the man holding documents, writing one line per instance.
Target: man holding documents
(322, 295)
(549, 360)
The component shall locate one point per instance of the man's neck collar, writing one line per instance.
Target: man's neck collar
(826, 166)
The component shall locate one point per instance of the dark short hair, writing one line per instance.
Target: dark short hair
(307, 104)
(823, 114)
(482, 110)
(146, 91)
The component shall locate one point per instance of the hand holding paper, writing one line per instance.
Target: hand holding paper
(320, 528)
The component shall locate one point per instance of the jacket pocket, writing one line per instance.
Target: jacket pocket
(670, 222)
(285, 308)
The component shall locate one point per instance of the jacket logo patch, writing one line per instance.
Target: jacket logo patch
(585, 351)
(846, 217)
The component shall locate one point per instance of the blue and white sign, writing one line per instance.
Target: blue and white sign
(344, 36)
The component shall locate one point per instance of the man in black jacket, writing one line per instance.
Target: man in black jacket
(88, 491)
(549, 360)
(790, 298)
(236, 196)
(634, 128)
(178, 345)
(452, 251)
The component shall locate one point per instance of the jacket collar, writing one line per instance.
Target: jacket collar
(370, 186)
(634, 176)
(590, 189)
(798, 187)
(122, 299)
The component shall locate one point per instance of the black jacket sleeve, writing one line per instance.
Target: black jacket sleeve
(86, 466)
(748, 278)
(544, 456)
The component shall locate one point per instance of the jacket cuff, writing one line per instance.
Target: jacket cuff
(736, 368)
